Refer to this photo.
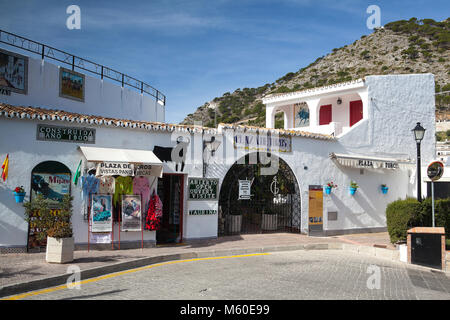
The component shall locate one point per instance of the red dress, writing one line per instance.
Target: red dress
(154, 214)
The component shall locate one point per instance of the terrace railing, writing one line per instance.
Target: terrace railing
(79, 63)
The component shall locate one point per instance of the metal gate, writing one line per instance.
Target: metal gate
(274, 205)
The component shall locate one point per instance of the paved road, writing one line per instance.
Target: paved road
(301, 274)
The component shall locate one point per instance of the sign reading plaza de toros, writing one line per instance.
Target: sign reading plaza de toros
(203, 189)
(67, 134)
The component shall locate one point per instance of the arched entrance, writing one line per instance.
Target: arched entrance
(274, 204)
(52, 180)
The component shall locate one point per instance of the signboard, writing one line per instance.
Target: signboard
(148, 170)
(263, 142)
(115, 168)
(13, 72)
(377, 164)
(435, 170)
(101, 213)
(65, 134)
(203, 189)
(244, 189)
(131, 213)
(53, 186)
(201, 212)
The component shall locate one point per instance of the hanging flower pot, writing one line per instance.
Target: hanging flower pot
(19, 194)
(353, 187)
(329, 186)
(384, 189)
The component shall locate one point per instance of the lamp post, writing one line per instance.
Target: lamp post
(419, 132)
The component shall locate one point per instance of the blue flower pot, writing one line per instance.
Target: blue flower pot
(19, 197)
(352, 190)
(327, 190)
(384, 190)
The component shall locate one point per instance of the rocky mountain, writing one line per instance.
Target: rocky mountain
(405, 46)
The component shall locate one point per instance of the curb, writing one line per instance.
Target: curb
(38, 284)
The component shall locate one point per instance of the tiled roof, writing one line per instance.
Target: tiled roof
(313, 91)
(20, 112)
(294, 133)
(42, 114)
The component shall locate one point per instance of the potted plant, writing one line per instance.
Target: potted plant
(53, 225)
(19, 194)
(269, 219)
(353, 187)
(384, 188)
(329, 186)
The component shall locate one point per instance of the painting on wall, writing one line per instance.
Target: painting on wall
(13, 72)
(301, 115)
(71, 84)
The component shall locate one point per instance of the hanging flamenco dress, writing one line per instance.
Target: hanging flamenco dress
(153, 221)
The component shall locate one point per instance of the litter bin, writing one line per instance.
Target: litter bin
(426, 247)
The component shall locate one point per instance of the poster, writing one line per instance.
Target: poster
(301, 115)
(131, 213)
(101, 213)
(71, 84)
(13, 72)
(52, 186)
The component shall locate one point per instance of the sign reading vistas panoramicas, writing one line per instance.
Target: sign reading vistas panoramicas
(47, 132)
(203, 189)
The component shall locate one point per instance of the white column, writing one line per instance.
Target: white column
(313, 105)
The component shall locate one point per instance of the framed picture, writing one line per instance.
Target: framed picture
(71, 84)
(13, 72)
(301, 115)
(101, 213)
(131, 213)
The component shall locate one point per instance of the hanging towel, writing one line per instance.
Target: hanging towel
(5, 168)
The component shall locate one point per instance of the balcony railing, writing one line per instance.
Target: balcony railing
(79, 63)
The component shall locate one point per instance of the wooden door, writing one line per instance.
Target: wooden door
(356, 111)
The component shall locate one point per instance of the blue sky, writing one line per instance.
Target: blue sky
(193, 50)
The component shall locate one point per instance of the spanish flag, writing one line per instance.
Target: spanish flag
(5, 168)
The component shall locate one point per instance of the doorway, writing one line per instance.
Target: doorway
(273, 204)
(170, 191)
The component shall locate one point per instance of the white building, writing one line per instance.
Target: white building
(207, 189)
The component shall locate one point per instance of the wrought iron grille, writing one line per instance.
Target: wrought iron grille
(264, 212)
(80, 63)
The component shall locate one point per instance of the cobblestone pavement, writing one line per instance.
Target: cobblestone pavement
(303, 274)
(15, 268)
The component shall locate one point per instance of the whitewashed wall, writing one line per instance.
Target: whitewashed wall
(102, 97)
(18, 138)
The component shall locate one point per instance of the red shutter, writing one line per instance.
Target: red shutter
(356, 111)
(325, 114)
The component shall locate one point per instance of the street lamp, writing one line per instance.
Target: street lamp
(419, 132)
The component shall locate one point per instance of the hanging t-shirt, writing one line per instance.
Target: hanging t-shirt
(124, 185)
(106, 185)
(89, 185)
(141, 186)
